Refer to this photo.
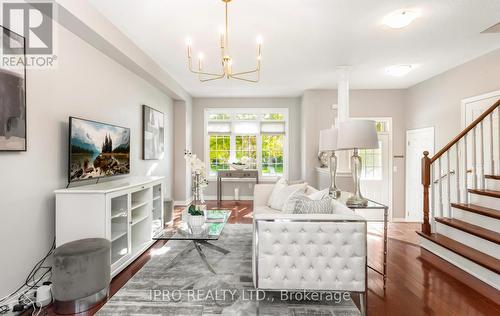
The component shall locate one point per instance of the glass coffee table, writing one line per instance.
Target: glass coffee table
(198, 236)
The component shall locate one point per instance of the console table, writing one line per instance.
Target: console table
(234, 174)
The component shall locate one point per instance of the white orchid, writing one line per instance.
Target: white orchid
(199, 173)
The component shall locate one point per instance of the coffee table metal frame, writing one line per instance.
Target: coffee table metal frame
(196, 240)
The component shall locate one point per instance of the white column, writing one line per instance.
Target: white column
(343, 92)
(343, 112)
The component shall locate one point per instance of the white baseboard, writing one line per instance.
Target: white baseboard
(403, 220)
(229, 197)
(183, 203)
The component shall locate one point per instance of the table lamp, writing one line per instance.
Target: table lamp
(328, 143)
(355, 135)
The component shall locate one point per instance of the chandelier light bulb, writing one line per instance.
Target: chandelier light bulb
(188, 41)
(259, 40)
(201, 56)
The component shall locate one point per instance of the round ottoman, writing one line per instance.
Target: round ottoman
(81, 274)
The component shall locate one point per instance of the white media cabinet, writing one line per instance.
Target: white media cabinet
(128, 212)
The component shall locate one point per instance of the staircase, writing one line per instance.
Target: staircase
(461, 203)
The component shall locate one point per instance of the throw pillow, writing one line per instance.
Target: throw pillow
(281, 193)
(289, 205)
(319, 195)
(284, 194)
(278, 186)
(304, 205)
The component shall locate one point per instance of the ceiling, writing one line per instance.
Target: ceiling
(305, 40)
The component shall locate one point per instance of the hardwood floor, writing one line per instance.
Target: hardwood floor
(419, 283)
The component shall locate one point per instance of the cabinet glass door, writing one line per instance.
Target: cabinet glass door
(157, 212)
(119, 228)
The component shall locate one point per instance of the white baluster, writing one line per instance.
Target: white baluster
(448, 191)
(440, 188)
(474, 163)
(466, 175)
(483, 183)
(492, 155)
(433, 200)
(457, 168)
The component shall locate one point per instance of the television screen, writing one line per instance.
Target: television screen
(97, 150)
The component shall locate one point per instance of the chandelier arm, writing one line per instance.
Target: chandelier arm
(246, 72)
(206, 73)
(211, 79)
(244, 79)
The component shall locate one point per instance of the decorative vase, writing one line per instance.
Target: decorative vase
(239, 167)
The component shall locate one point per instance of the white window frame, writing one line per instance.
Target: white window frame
(259, 111)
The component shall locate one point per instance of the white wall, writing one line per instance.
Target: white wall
(182, 142)
(293, 106)
(86, 84)
(436, 101)
(317, 114)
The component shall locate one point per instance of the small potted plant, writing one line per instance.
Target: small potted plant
(196, 217)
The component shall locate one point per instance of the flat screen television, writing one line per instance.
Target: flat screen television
(97, 150)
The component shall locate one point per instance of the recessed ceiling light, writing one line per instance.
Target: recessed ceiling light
(399, 19)
(398, 70)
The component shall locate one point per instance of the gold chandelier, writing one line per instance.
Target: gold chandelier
(226, 60)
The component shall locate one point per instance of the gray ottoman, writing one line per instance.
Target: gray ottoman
(81, 274)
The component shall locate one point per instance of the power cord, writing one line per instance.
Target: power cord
(31, 282)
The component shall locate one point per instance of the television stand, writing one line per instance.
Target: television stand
(127, 211)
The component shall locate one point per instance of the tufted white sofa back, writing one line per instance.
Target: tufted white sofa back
(311, 255)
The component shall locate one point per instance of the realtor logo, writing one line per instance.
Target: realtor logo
(34, 21)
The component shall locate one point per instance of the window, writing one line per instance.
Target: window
(246, 146)
(371, 163)
(219, 152)
(272, 155)
(258, 135)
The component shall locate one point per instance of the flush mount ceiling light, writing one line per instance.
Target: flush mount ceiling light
(226, 60)
(399, 19)
(398, 70)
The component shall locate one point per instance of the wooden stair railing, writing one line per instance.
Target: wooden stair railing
(427, 165)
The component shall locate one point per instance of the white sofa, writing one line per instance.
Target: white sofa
(312, 252)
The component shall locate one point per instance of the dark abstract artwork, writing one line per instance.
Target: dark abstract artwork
(12, 95)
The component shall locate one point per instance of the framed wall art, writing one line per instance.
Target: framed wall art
(153, 122)
(12, 91)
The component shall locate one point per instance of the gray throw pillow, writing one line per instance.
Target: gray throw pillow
(304, 205)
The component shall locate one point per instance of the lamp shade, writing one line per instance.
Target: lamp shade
(328, 139)
(357, 134)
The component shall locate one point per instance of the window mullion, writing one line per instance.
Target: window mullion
(232, 147)
(259, 154)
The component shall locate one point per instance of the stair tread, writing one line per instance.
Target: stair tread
(472, 254)
(470, 228)
(485, 211)
(492, 176)
(491, 193)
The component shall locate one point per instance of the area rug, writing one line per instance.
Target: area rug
(189, 288)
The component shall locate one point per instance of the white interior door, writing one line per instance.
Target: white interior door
(487, 135)
(417, 141)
